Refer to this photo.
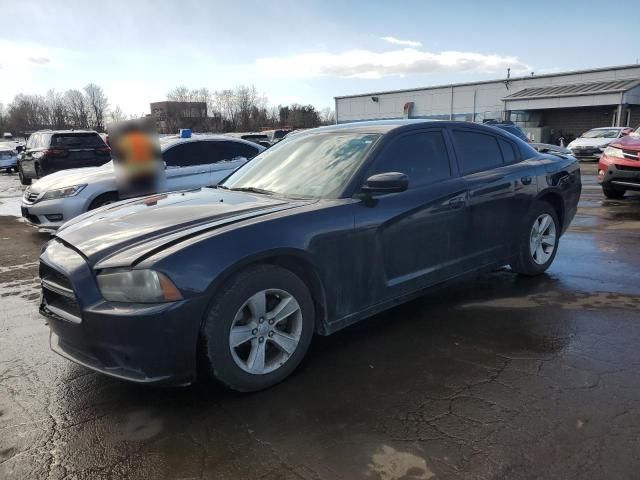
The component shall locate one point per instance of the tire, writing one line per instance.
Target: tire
(230, 308)
(612, 192)
(38, 172)
(23, 180)
(102, 200)
(531, 260)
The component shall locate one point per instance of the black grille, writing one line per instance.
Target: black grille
(626, 167)
(58, 298)
(48, 273)
(631, 154)
(69, 305)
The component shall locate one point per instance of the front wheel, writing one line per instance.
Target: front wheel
(538, 241)
(23, 179)
(612, 192)
(258, 328)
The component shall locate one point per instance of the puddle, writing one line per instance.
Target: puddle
(574, 301)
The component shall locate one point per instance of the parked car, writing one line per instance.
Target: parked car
(324, 229)
(8, 157)
(592, 143)
(510, 127)
(274, 136)
(619, 166)
(190, 162)
(551, 148)
(260, 138)
(49, 151)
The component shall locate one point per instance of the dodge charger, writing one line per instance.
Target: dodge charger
(326, 228)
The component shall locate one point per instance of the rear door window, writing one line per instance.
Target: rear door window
(233, 150)
(422, 156)
(509, 151)
(477, 151)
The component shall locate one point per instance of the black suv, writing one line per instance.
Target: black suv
(48, 151)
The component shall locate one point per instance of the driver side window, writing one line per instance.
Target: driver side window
(422, 156)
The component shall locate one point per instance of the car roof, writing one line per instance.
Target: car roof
(171, 140)
(373, 126)
(64, 131)
(386, 126)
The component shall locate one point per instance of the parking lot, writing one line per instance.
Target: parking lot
(498, 377)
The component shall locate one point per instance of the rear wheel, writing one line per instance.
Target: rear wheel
(613, 192)
(538, 241)
(104, 199)
(23, 179)
(258, 328)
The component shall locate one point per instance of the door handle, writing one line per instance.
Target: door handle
(526, 180)
(456, 202)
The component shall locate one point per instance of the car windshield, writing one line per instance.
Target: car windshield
(602, 133)
(315, 165)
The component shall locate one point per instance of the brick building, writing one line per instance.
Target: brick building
(171, 116)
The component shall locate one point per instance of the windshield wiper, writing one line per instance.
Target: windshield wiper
(252, 190)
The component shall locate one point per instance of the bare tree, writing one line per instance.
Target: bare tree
(179, 94)
(27, 113)
(77, 109)
(98, 105)
(327, 116)
(56, 110)
(117, 115)
(225, 101)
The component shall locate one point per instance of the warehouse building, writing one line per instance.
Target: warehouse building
(547, 107)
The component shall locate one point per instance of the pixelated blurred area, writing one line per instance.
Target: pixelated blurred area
(135, 149)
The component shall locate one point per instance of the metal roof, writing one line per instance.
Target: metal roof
(573, 89)
(495, 80)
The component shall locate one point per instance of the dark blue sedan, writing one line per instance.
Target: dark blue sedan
(324, 229)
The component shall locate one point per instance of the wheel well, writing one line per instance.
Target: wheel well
(556, 202)
(105, 194)
(303, 269)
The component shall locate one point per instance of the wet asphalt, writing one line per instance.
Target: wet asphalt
(491, 378)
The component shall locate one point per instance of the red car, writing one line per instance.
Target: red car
(619, 166)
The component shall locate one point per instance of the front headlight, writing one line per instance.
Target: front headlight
(613, 152)
(137, 286)
(63, 192)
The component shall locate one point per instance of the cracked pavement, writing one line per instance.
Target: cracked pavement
(496, 377)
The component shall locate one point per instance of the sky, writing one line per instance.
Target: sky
(297, 51)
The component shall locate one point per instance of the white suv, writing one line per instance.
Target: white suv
(193, 162)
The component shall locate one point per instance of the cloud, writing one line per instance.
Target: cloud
(397, 41)
(39, 60)
(368, 64)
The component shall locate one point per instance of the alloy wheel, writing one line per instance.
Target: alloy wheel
(542, 241)
(265, 331)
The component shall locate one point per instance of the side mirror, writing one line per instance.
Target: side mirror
(20, 148)
(389, 182)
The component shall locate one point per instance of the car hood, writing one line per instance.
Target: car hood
(591, 142)
(74, 176)
(630, 142)
(123, 233)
